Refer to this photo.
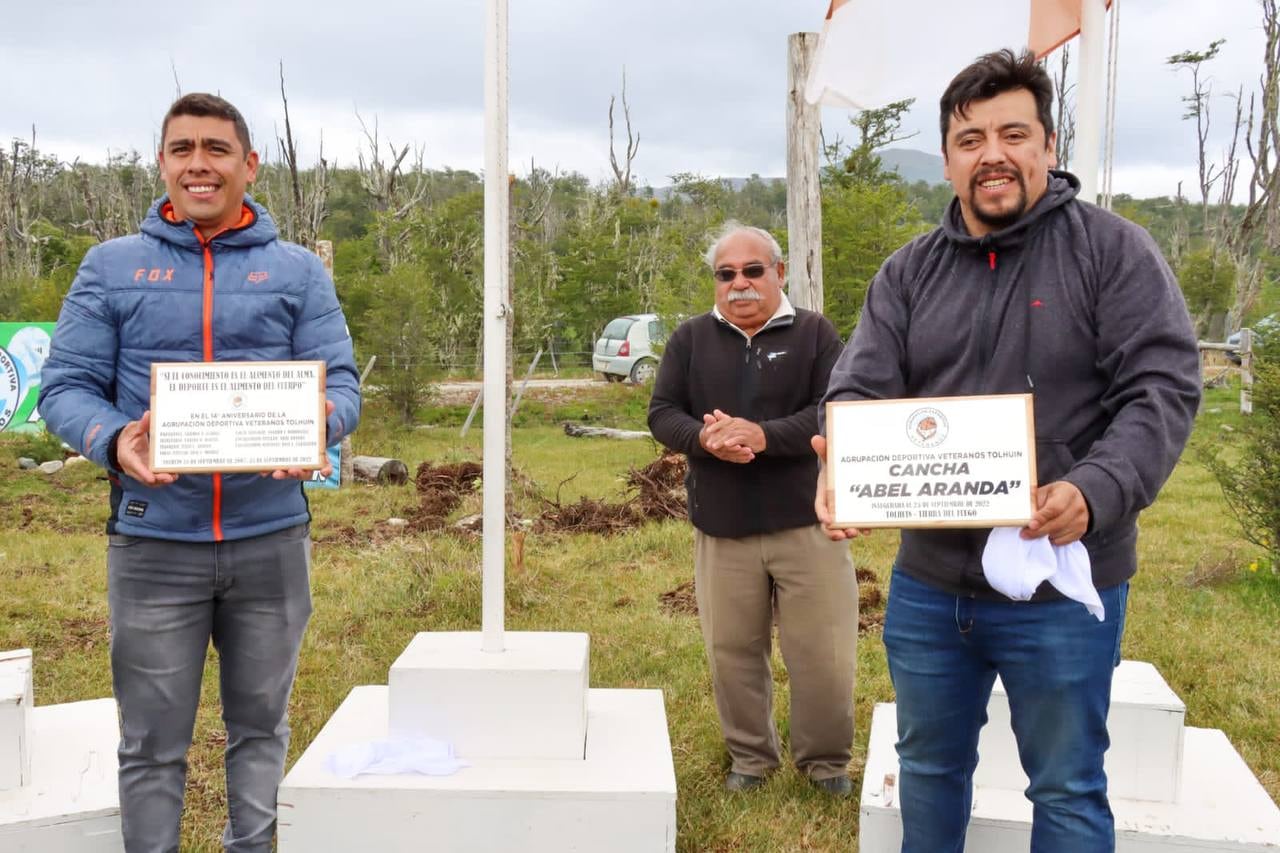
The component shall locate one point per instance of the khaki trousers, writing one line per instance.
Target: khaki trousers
(817, 597)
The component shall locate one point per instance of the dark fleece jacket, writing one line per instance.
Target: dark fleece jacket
(1072, 303)
(776, 380)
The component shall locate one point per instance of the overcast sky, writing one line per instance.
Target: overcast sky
(706, 78)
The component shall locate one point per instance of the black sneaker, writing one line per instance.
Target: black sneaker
(742, 782)
(836, 786)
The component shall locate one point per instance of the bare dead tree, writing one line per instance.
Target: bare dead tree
(1065, 118)
(1261, 216)
(307, 202)
(622, 171)
(115, 196)
(1262, 139)
(1197, 108)
(23, 176)
(1179, 239)
(288, 151)
(395, 190)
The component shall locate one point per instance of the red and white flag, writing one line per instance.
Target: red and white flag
(874, 52)
(1053, 24)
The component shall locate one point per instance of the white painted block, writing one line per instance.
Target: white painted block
(620, 798)
(1221, 806)
(72, 803)
(529, 701)
(1145, 724)
(15, 718)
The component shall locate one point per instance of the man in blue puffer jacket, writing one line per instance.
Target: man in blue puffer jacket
(197, 557)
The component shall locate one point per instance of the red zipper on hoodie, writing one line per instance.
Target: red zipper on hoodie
(206, 328)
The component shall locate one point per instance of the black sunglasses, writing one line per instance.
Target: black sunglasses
(728, 274)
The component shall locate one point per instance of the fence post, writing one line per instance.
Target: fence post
(1246, 371)
(324, 248)
(804, 192)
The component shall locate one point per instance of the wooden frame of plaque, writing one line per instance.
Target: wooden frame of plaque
(973, 470)
(237, 416)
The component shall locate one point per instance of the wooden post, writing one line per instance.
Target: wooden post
(1246, 371)
(515, 404)
(324, 248)
(804, 193)
(475, 406)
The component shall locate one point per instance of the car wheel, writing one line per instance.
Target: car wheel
(644, 371)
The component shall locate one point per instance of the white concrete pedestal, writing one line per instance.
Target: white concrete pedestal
(1213, 804)
(528, 701)
(71, 804)
(1145, 725)
(555, 767)
(15, 718)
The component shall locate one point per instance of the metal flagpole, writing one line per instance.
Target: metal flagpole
(496, 315)
(1109, 139)
(1089, 97)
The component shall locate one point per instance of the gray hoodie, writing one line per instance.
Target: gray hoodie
(1071, 303)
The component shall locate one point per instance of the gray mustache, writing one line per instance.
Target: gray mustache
(749, 294)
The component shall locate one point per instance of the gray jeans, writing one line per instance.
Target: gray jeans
(252, 597)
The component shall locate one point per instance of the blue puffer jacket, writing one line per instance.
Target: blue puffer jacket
(168, 295)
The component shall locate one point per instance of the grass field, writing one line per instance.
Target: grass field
(1208, 623)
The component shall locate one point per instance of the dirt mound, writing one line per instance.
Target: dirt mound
(457, 477)
(441, 488)
(659, 487)
(680, 600)
(588, 516)
(870, 601)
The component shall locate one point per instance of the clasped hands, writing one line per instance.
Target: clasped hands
(133, 452)
(1062, 513)
(731, 439)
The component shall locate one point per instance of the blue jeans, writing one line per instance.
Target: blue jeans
(252, 598)
(1056, 663)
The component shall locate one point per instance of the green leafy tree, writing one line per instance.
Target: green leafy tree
(876, 129)
(862, 225)
(1207, 277)
(1249, 469)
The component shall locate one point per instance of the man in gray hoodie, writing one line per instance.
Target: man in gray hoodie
(1023, 288)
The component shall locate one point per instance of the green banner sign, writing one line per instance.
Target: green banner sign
(23, 349)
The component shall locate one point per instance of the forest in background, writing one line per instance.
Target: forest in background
(409, 249)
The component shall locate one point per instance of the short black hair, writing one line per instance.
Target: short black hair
(994, 74)
(202, 104)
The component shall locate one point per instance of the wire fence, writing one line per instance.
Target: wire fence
(469, 363)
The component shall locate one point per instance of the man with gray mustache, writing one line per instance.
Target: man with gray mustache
(737, 392)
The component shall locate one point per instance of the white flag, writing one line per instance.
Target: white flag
(874, 52)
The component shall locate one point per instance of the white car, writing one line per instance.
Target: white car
(626, 348)
(1266, 326)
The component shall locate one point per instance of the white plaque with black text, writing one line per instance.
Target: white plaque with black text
(932, 461)
(237, 416)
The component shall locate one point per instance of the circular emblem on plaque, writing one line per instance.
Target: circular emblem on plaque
(237, 401)
(927, 427)
(10, 388)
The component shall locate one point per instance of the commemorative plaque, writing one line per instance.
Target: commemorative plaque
(932, 462)
(237, 416)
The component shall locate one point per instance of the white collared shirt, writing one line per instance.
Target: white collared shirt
(785, 309)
